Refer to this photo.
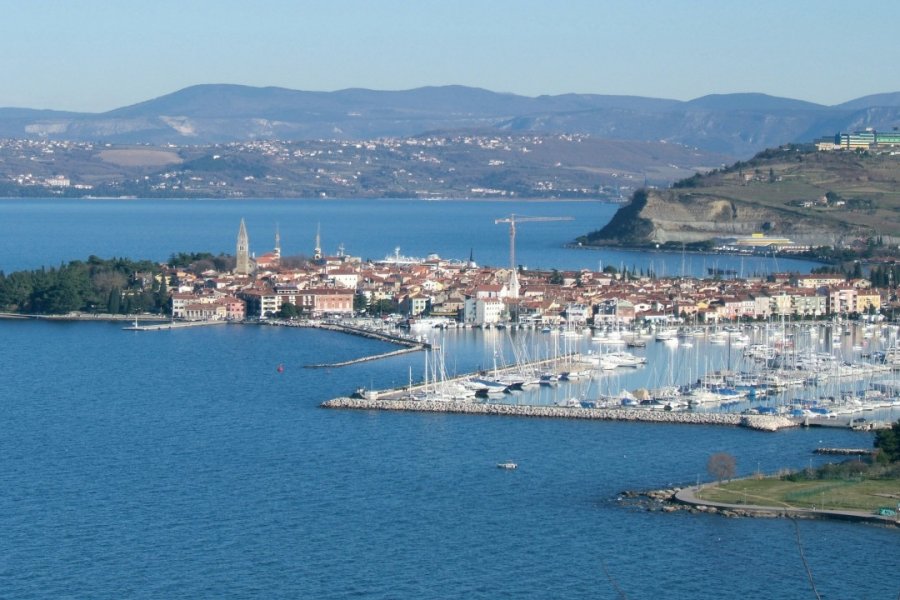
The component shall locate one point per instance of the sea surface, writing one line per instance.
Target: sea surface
(182, 464)
(35, 233)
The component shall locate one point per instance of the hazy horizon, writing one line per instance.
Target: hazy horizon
(87, 57)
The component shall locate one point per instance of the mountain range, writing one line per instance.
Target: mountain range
(734, 125)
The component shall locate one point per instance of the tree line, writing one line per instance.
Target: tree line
(116, 285)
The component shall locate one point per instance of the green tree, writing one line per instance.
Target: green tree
(386, 306)
(288, 311)
(360, 302)
(888, 442)
(162, 296)
(114, 304)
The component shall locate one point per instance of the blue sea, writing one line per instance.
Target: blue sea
(182, 464)
(35, 233)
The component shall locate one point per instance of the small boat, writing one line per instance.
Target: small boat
(509, 466)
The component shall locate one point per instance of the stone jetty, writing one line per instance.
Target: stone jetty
(844, 451)
(173, 325)
(759, 422)
(363, 359)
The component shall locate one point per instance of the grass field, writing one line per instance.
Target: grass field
(864, 496)
(787, 179)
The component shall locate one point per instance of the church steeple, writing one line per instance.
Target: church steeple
(317, 252)
(242, 266)
(277, 242)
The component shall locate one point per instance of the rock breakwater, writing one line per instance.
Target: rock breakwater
(759, 422)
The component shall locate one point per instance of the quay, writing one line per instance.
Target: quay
(366, 332)
(844, 451)
(363, 359)
(172, 325)
(758, 422)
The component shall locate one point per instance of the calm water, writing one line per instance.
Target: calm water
(46, 232)
(180, 464)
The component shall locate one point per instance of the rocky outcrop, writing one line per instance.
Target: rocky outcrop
(680, 216)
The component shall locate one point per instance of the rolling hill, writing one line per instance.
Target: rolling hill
(813, 198)
(735, 125)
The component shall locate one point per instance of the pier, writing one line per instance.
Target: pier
(363, 359)
(758, 422)
(172, 325)
(409, 344)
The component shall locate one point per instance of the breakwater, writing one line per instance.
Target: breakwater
(363, 359)
(758, 422)
(409, 344)
(173, 325)
(844, 451)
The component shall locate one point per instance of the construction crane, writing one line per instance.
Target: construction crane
(512, 220)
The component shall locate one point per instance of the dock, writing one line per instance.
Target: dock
(406, 399)
(172, 325)
(363, 359)
(758, 422)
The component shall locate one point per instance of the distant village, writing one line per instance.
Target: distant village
(435, 166)
(262, 288)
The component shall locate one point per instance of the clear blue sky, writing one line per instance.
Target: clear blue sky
(98, 55)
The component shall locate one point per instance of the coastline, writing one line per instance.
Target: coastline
(693, 252)
(685, 499)
(81, 316)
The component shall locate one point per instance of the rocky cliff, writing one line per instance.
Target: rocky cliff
(661, 216)
(812, 198)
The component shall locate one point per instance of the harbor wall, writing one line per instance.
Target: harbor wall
(759, 422)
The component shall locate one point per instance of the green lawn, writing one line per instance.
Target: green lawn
(865, 496)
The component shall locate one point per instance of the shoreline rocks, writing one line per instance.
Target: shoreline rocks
(681, 499)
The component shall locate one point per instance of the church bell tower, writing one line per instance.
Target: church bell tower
(243, 252)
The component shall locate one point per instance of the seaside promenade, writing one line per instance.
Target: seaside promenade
(688, 497)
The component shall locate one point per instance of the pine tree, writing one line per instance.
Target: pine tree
(114, 304)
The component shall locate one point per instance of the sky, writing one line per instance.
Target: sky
(96, 55)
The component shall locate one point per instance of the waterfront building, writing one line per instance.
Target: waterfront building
(483, 311)
(324, 302)
(578, 313)
(842, 300)
(414, 305)
(868, 301)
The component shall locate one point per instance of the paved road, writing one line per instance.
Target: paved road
(689, 496)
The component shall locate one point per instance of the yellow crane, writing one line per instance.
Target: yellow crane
(512, 220)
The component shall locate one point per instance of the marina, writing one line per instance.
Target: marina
(762, 376)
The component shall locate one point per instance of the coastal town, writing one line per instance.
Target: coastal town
(456, 291)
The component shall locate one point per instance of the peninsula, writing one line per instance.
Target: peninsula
(793, 198)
